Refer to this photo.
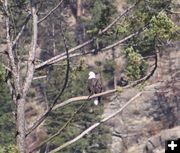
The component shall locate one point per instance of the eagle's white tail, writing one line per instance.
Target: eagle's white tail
(96, 101)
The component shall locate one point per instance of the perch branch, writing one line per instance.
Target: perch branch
(75, 99)
(80, 98)
(95, 125)
(103, 49)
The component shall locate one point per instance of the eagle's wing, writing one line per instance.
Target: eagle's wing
(94, 86)
(98, 86)
(91, 85)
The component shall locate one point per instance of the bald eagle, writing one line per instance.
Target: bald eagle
(94, 86)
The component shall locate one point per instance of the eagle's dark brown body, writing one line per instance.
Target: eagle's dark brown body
(94, 86)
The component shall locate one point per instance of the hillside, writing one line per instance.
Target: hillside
(49, 100)
(155, 114)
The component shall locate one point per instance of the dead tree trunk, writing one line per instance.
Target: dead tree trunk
(20, 125)
(21, 96)
(79, 25)
(18, 97)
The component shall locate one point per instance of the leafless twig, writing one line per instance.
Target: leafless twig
(50, 12)
(39, 77)
(21, 31)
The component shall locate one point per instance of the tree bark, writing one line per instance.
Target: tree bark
(20, 98)
(20, 126)
(79, 25)
(78, 6)
(16, 92)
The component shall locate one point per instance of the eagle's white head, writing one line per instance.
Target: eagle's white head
(92, 75)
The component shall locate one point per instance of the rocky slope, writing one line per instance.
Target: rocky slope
(142, 126)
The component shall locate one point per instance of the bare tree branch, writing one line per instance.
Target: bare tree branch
(50, 12)
(145, 78)
(2, 52)
(81, 98)
(21, 31)
(44, 115)
(39, 77)
(96, 125)
(32, 52)
(124, 13)
(10, 51)
(172, 12)
(101, 32)
(39, 120)
(156, 52)
(45, 63)
(62, 57)
(9, 83)
(61, 129)
(101, 50)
